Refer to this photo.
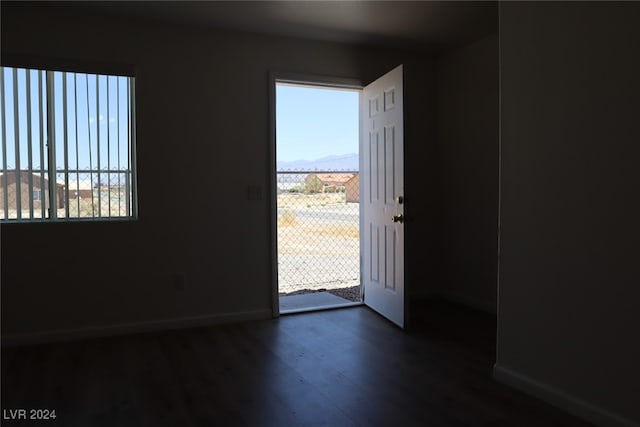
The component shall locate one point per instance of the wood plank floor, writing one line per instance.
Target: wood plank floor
(345, 367)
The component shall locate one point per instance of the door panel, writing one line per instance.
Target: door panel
(382, 137)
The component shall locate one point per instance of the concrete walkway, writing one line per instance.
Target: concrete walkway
(312, 301)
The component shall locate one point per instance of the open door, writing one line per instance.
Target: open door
(382, 183)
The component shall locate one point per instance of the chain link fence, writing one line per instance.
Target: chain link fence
(27, 194)
(319, 233)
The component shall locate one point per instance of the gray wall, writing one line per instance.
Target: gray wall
(467, 135)
(203, 117)
(569, 291)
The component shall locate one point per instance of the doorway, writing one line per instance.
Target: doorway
(304, 184)
(317, 196)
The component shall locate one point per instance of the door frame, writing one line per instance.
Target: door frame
(302, 79)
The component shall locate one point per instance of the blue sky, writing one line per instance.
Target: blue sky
(315, 122)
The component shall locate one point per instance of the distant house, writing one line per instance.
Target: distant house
(352, 189)
(9, 183)
(347, 182)
(80, 190)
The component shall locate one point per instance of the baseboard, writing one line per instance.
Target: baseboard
(132, 328)
(471, 302)
(558, 398)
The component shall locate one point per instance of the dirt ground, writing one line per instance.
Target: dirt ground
(318, 244)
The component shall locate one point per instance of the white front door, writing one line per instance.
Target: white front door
(382, 183)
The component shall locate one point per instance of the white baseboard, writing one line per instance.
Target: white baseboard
(474, 303)
(558, 398)
(132, 328)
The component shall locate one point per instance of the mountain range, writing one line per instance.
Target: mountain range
(343, 162)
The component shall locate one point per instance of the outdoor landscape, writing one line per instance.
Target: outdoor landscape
(319, 234)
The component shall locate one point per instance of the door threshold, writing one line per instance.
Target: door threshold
(312, 301)
(321, 307)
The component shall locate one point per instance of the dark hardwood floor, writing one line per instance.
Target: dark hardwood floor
(335, 368)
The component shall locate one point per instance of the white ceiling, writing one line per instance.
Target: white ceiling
(415, 24)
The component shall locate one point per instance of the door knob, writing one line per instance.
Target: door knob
(398, 218)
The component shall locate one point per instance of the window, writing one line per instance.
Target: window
(68, 146)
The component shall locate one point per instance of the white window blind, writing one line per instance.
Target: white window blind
(68, 146)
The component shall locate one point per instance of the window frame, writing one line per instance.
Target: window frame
(51, 191)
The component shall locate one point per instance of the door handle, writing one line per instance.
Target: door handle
(398, 218)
